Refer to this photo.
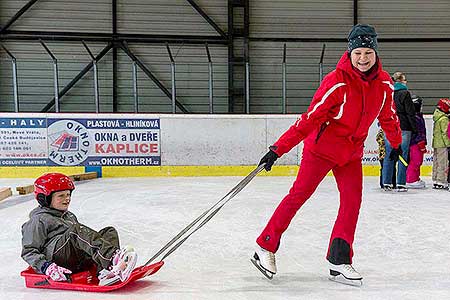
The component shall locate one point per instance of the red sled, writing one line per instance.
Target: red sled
(85, 281)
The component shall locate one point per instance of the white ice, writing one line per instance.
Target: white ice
(402, 245)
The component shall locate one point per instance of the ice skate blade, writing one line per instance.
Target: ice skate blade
(341, 279)
(395, 191)
(261, 269)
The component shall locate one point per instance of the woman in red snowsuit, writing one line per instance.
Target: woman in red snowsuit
(334, 129)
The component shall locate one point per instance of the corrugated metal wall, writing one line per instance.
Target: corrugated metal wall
(407, 18)
(191, 78)
(302, 64)
(427, 68)
(35, 69)
(426, 64)
(35, 76)
(170, 16)
(60, 15)
(306, 18)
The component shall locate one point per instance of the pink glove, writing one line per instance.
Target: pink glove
(56, 272)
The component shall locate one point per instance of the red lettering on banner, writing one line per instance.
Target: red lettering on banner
(99, 148)
(143, 148)
(120, 147)
(153, 148)
(128, 150)
(110, 149)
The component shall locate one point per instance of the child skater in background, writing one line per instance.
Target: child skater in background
(448, 150)
(382, 155)
(417, 148)
(56, 244)
(441, 143)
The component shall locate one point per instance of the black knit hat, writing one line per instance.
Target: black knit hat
(362, 36)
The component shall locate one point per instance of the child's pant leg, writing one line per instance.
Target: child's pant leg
(80, 240)
(111, 235)
(401, 172)
(448, 168)
(415, 161)
(381, 173)
(440, 165)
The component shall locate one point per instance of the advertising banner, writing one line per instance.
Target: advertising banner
(79, 142)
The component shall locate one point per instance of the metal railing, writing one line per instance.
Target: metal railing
(210, 80)
(136, 62)
(96, 88)
(15, 83)
(55, 75)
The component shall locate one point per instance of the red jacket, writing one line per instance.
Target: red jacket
(337, 121)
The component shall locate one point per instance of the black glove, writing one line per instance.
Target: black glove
(268, 159)
(395, 153)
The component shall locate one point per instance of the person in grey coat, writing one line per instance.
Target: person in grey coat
(56, 244)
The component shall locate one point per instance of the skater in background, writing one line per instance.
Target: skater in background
(381, 156)
(441, 143)
(417, 148)
(406, 115)
(56, 244)
(448, 175)
(334, 129)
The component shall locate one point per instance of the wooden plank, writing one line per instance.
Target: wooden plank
(76, 177)
(84, 176)
(27, 189)
(5, 193)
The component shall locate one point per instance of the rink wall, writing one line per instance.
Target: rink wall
(123, 145)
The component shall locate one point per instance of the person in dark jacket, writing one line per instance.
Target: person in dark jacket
(406, 115)
(417, 148)
(334, 129)
(56, 244)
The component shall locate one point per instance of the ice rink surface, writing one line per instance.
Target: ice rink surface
(402, 245)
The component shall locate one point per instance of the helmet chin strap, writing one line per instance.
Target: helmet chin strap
(44, 200)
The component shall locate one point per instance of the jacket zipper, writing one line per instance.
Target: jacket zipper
(321, 130)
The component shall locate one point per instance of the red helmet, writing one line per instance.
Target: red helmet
(444, 105)
(49, 183)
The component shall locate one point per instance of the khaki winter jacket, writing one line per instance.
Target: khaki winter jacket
(40, 234)
(440, 127)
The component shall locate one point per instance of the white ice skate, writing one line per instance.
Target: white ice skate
(265, 262)
(123, 263)
(345, 274)
(419, 184)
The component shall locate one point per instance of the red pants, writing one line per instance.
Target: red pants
(415, 161)
(312, 171)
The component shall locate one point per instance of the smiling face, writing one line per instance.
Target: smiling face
(61, 200)
(363, 58)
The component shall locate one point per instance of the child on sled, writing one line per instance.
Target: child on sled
(56, 244)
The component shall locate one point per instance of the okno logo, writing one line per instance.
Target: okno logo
(69, 143)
